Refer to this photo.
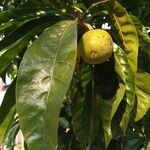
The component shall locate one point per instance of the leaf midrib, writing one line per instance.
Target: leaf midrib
(51, 81)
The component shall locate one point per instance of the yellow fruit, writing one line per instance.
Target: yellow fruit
(95, 46)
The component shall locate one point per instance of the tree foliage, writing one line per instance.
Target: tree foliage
(58, 100)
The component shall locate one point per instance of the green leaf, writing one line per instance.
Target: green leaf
(144, 39)
(138, 24)
(8, 102)
(11, 136)
(126, 75)
(132, 144)
(143, 103)
(44, 77)
(13, 36)
(144, 43)
(126, 31)
(146, 124)
(15, 22)
(10, 52)
(144, 61)
(142, 81)
(148, 145)
(23, 13)
(108, 109)
(117, 99)
(63, 122)
(143, 94)
(7, 111)
(86, 108)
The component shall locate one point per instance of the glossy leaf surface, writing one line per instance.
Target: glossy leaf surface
(44, 77)
(143, 103)
(127, 76)
(143, 94)
(143, 81)
(126, 31)
(144, 44)
(108, 109)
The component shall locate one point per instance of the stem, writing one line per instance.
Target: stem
(88, 26)
(77, 9)
(98, 3)
(71, 141)
(93, 112)
(88, 148)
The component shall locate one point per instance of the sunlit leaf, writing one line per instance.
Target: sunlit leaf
(44, 77)
(143, 94)
(143, 103)
(144, 39)
(144, 43)
(148, 145)
(143, 81)
(138, 24)
(108, 109)
(126, 31)
(127, 77)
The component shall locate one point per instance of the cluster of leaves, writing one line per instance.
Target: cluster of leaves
(58, 100)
